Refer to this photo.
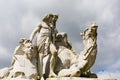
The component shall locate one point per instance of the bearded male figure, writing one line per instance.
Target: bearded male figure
(45, 42)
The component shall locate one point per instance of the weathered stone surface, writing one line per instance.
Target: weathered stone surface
(17, 79)
(76, 78)
(52, 55)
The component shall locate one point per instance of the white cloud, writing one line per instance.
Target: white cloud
(5, 57)
(109, 75)
(28, 22)
(3, 52)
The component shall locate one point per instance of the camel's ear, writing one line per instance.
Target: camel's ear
(21, 41)
(28, 41)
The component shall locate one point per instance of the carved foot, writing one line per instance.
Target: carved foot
(89, 75)
(52, 75)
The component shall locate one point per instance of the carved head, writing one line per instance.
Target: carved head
(62, 40)
(93, 28)
(90, 32)
(59, 37)
(62, 37)
(26, 47)
(51, 19)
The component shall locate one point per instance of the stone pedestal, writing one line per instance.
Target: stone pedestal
(76, 78)
(16, 79)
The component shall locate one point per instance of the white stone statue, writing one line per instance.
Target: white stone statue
(65, 55)
(4, 73)
(52, 55)
(24, 62)
(65, 51)
(45, 42)
(85, 60)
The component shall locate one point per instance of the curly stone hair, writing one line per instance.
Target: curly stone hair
(48, 18)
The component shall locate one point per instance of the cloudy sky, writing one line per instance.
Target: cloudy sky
(19, 17)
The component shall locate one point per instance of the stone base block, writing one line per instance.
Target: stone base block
(76, 78)
(17, 79)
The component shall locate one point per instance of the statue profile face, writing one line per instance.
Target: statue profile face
(50, 19)
(54, 19)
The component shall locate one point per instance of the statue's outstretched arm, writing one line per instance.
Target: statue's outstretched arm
(37, 29)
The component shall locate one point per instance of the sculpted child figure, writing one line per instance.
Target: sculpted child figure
(45, 42)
